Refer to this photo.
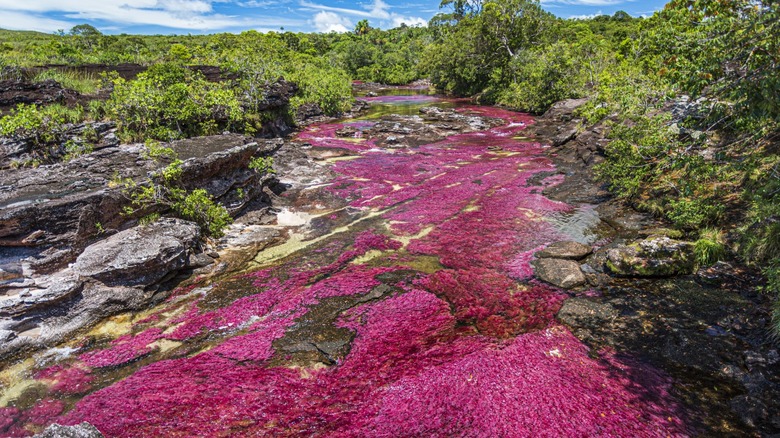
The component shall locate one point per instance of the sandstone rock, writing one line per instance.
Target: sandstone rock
(583, 312)
(565, 274)
(652, 257)
(140, 256)
(83, 430)
(565, 250)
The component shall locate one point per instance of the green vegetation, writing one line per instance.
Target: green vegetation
(165, 191)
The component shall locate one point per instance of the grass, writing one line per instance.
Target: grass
(82, 82)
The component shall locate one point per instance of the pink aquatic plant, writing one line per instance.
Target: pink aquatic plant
(74, 379)
(123, 350)
(494, 303)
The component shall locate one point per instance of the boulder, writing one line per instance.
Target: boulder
(652, 257)
(140, 256)
(565, 274)
(568, 250)
(83, 430)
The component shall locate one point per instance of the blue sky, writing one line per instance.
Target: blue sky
(210, 16)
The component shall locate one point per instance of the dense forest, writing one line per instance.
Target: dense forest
(690, 96)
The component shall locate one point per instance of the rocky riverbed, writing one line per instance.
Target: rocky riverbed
(431, 267)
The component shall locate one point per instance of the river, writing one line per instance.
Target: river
(408, 310)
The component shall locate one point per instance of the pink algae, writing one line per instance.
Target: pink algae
(67, 380)
(123, 350)
(409, 373)
(493, 302)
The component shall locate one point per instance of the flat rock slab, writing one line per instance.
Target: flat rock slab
(569, 250)
(652, 257)
(139, 256)
(565, 274)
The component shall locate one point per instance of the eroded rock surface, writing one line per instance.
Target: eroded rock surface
(140, 256)
(83, 430)
(565, 274)
(569, 250)
(652, 257)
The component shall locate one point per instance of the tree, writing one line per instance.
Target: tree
(362, 27)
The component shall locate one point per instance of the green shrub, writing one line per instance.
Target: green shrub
(330, 88)
(165, 191)
(710, 247)
(169, 101)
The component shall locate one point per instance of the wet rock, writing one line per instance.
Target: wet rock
(565, 250)
(584, 312)
(749, 409)
(565, 274)
(140, 256)
(347, 131)
(652, 257)
(83, 430)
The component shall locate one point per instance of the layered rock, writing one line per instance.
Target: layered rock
(110, 276)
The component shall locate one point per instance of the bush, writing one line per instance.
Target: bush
(545, 76)
(169, 101)
(43, 128)
(330, 88)
(710, 247)
(164, 190)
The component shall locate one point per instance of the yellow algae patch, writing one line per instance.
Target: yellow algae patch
(449, 186)
(345, 158)
(308, 372)
(530, 214)
(165, 345)
(367, 257)
(296, 242)
(471, 208)
(397, 187)
(114, 326)
(425, 264)
(405, 240)
(16, 380)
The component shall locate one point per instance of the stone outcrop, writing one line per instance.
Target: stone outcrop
(652, 257)
(432, 125)
(565, 274)
(140, 256)
(83, 430)
(57, 210)
(568, 250)
(110, 276)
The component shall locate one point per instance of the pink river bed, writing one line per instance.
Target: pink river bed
(471, 350)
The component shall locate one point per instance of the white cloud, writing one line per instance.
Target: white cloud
(195, 15)
(409, 21)
(378, 10)
(587, 2)
(326, 21)
(14, 20)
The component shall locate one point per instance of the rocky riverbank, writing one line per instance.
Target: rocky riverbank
(641, 292)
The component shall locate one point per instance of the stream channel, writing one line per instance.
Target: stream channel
(403, 305)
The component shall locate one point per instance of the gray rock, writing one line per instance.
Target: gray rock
(83, 430)
(749, 409)
(565, 274)
(652, 257)
(565, 250)
(140, 256)
(584, 312)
